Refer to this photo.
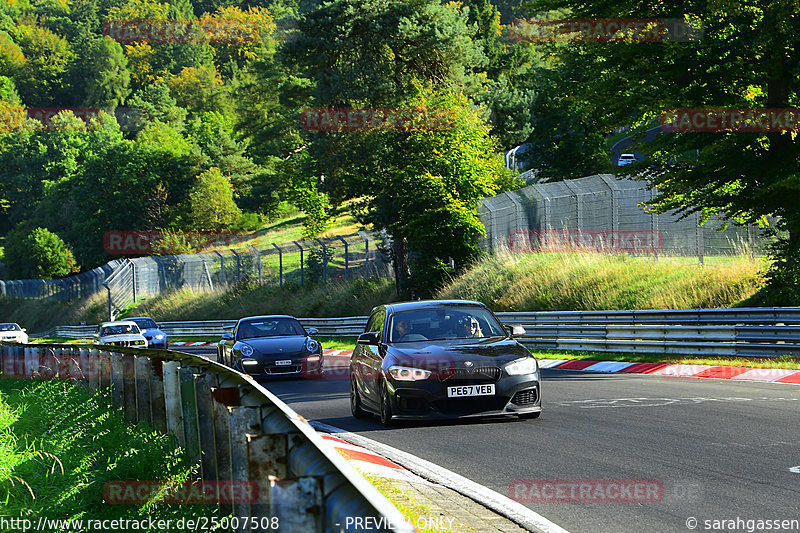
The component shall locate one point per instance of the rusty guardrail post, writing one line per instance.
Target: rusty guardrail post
(143, 369)
(205, 425)
(129, 388)
(244, 421)
(189, 413)
(172, 401)
(223, 399)
(158, 404)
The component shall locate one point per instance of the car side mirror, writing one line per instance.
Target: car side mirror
(24, 329)
(227, 336)
(516, 331)
(370, 338)
(312, 331)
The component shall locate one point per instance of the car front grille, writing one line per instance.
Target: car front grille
(525, 397)
(126, 343)
(476, 376)
(288, 369)
(466, 406)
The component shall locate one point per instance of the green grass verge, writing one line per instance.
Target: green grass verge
(59, 445)
(413, 510)
(585, 281)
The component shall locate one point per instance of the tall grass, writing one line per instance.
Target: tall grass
(38, 315)
(59, 446)
(597, 281)
(331, 300)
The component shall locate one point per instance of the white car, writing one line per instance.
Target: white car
(120, 333)
(626, 159)
(11, 332)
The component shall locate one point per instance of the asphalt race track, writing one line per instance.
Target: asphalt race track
(715, 449)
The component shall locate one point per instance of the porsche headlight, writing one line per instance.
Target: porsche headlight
(405, 373)
(159, 337)
(523, 366)
(312, 345)
(246, 350)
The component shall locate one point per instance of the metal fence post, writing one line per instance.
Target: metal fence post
(346, 257)
(133, 279)
(221, 268)
(280, 263)
(301, 261)
(366, 253)
(238, 264)
(700, 245)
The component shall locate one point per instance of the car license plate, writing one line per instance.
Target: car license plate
(470, 390)
(284, 362)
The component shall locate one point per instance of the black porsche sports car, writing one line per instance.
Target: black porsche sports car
(431, 359)
(275, 345)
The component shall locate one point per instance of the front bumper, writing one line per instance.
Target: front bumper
(427, 399)
(305, 366)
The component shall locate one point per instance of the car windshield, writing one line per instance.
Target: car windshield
(119, 329)
(9, 327)
(145, 323)
(443, 323)
(273, 327)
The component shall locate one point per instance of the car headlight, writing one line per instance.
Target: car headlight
(405, 373)
(312, 345)
(159, 337)
(523, 366)
(246, 350)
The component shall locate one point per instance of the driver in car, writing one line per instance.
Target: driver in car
(470, 327)
(401, 329)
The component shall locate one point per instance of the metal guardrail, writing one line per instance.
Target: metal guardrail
(235, 429)
(762, 332)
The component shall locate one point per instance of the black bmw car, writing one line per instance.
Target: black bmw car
(275, 345)
(441, 359)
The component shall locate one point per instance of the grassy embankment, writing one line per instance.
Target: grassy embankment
(59, 445)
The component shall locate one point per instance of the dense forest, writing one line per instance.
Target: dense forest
(195, 115)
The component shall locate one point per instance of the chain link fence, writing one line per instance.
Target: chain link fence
(606, 214)
(324, 260)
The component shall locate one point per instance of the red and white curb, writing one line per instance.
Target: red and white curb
(186, 343)
(371, 463)
(739, 373)
(380, 454)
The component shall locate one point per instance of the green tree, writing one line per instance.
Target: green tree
(107, 77)
(744, 59)
(42, 78)
(212, 204)
(38, 254)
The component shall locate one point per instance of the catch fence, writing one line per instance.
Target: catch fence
(606, 214)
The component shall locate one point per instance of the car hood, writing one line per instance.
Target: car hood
(284, 344)
(117, 338)
(152, 332)
(492, 351)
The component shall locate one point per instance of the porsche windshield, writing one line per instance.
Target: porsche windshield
(444, 323)
(276, 327)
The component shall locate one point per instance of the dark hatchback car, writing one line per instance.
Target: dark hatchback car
(156, 339)
(276, 345)
(441, 359)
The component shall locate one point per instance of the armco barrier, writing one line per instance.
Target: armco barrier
(761, 332)
(235, 429)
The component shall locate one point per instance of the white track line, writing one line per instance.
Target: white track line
(493, 500)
